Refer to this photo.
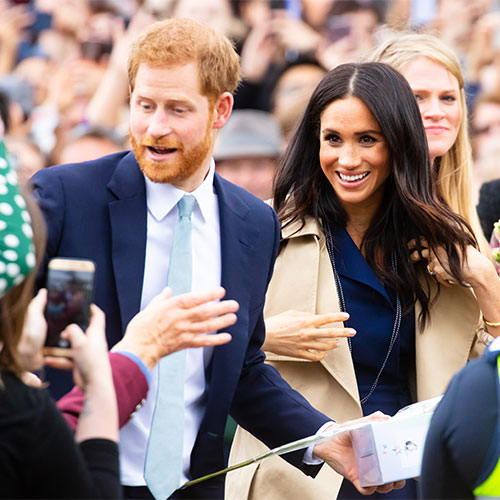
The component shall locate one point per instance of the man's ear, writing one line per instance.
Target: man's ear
(222, 109)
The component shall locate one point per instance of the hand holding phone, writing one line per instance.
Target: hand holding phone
(70, 286)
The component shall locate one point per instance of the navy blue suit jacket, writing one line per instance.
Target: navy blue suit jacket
(97, 210)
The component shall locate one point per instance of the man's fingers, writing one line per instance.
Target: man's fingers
(399, 484)
(210, 340)
(165, 294)
(211, 309)
(385, 488)
(193, 299)
(208, 325)
(368, 490)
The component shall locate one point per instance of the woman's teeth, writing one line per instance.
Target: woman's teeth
(353, 178)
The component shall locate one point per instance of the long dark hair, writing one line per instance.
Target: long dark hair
(410, 209)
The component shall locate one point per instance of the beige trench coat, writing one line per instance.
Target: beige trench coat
(303, 281)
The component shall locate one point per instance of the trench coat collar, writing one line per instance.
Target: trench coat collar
(352, 265)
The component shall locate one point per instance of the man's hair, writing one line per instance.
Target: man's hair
(184, 41)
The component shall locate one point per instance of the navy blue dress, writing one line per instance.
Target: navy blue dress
(372, 310)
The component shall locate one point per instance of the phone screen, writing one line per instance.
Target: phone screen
(69, 295)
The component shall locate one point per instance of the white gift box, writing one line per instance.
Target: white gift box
(391, 450)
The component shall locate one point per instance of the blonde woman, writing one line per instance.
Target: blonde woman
(433, 71)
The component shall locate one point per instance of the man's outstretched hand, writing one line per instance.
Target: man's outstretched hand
(338, 453)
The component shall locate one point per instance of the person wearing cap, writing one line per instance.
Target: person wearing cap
(247, 150)
(462, 449)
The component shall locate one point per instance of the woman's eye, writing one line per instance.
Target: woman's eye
(449, 98)
(332, 138)
(418, 97)
(367, 139)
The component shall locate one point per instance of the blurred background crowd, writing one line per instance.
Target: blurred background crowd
(63, 84)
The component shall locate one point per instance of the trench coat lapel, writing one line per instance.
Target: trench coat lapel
(311, 272)
(444, 346)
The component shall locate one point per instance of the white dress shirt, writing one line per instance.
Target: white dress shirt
(162, 216)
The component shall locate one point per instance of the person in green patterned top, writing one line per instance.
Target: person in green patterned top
(17, 255)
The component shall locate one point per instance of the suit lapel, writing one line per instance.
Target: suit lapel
(236, 236)
(128, 218)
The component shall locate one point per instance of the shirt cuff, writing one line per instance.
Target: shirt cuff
(309, 458)
(138, 361)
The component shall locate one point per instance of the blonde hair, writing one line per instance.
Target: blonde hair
(454, 181)
(183, 41)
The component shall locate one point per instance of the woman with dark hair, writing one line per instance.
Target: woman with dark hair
(364, 232)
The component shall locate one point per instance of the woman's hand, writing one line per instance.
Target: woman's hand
(477, 271)
(34, 332)
(474, 265)
(304, 335)
(90, 351)
(92, 373)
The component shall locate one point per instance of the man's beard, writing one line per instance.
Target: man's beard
(184, 164)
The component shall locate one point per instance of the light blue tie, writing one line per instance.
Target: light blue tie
(163, 466)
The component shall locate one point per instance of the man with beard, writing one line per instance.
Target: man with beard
(121, 211)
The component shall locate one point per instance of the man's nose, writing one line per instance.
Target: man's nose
(159, 126)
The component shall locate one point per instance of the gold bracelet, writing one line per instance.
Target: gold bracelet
(489, 323)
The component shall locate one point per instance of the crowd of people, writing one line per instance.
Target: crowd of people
(63, 86)
(364, 284)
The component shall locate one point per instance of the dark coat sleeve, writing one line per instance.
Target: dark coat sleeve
(458, 443)
(264, 403)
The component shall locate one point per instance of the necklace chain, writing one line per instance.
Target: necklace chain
(340, 293)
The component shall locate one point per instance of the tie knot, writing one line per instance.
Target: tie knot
(186, 204)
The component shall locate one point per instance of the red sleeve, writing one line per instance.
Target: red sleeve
(131, 388)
